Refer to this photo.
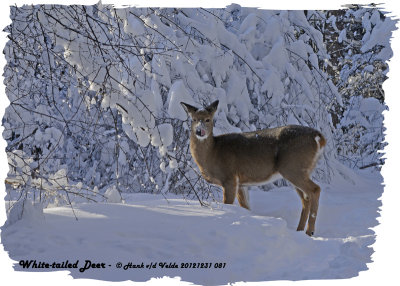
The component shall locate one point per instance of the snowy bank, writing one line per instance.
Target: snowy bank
(232, 243)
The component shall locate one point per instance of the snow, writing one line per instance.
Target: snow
(162, 135)
(177, 94)
(257, 245)
(299, 48)
(133, 25)
(139, 136)
(381, 34)
(26, 210)
(173, 164)
(274, 87)
(277, 56)
(238, 95)
(112, 195)
(160, 71)
(342, 36)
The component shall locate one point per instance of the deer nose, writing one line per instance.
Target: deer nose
(200, 131)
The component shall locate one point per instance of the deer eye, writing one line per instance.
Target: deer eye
(194, 120)
(207, 120)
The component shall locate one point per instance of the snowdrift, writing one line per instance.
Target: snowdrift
(232, 243)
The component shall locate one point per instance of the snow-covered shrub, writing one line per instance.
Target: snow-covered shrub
(358, 42)
(361, 133)
(51, 132)
(25, 209)
(112, 195)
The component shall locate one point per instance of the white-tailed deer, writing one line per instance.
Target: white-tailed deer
(236, 160)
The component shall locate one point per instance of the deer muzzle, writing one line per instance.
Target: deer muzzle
(200, 130)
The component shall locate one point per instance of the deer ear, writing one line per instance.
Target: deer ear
(188, 108)
(213, 106)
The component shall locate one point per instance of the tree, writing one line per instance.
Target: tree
(358, 42)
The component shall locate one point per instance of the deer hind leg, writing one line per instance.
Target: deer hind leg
(302, 181)
(312, 190)
(316, 190)
(305, 202)
(242, 196)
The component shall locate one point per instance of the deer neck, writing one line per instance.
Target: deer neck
(201, 148)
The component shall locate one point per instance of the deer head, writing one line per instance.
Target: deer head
(202, 119)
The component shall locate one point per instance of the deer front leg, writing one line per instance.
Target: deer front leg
(242, 196)
(229, 189)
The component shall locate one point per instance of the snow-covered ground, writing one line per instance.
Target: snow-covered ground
(257, 245)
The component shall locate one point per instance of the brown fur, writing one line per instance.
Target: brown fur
(237, 159)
